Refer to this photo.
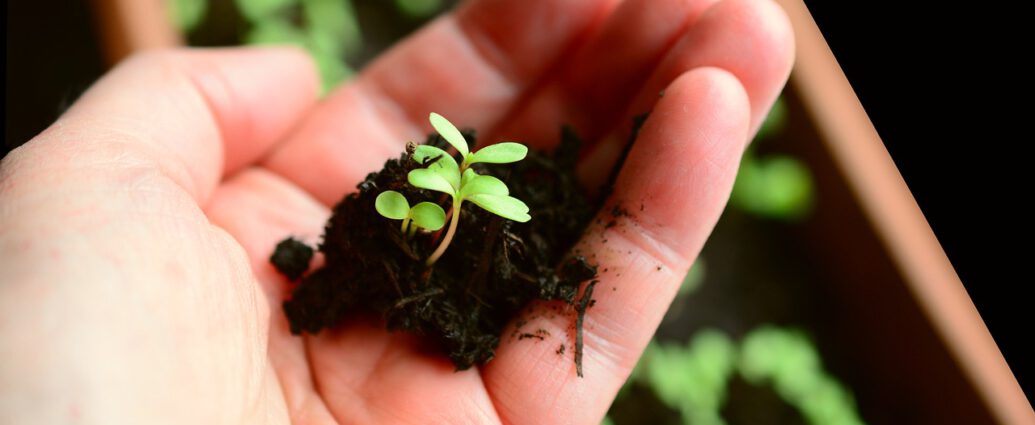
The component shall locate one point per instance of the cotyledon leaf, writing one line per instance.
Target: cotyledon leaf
(392, 204)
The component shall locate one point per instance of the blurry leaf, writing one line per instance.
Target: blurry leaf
(333, 27)
(693, 378)
(777, 186)
(257, 10)
(274, 30)
(418, 8)
(788, 360)
(278, 30)
(392, 204)
(788, 186)
(187, 14)
(428, 215)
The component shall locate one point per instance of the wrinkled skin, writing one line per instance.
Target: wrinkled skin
(135, 231)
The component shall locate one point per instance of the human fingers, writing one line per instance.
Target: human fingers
(670, 193)
(137, 297)
(259, 209)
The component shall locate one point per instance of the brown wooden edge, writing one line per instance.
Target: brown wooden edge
(129, 26)
(887, 202)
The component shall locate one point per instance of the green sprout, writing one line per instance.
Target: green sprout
(443, 174)
(425, 215)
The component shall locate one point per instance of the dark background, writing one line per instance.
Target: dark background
(943, 86)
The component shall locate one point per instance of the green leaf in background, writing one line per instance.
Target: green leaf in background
(332, 27)
(257, 10)
(333, 35)
(418, 8)
(693, 378)
(777, 186)
(789, 361)
(274, 30)
(187, 14)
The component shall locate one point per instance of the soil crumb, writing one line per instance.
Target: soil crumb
(291, 257)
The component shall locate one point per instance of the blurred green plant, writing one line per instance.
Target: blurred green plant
(328, 29)
(693, 378)
(773, 186)
(787, 360)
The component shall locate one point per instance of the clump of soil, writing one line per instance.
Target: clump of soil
(492, 269)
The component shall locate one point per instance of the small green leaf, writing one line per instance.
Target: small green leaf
(392, 204)
(428, 216)
(431, 180)
(487, 185)
(449, 132)
(425, 152)
(503, 206)
(500, 153)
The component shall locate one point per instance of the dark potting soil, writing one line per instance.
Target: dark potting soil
(493, 268)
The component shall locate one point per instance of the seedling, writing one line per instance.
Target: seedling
(443, 174)
(495, 267)
(425, 215)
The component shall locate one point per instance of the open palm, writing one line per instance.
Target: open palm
(135, 232)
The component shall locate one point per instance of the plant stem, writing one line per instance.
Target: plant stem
(404, 223)
(453, 222)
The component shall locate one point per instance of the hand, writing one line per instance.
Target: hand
(135, 231)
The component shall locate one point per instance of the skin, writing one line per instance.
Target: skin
(135, 231)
